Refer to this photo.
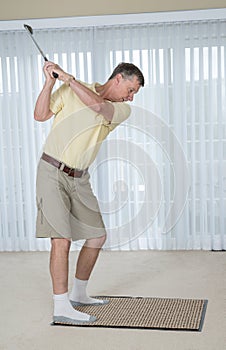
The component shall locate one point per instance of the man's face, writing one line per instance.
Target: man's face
(125, 89)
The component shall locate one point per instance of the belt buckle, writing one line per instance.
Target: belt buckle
(62, 165)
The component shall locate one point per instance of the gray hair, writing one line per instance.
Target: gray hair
(128, 70)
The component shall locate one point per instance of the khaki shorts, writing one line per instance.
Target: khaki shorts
(66, 206)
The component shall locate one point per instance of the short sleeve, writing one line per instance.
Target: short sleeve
(56, 101)
(121, 113)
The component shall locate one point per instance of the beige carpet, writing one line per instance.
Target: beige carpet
(147, 313)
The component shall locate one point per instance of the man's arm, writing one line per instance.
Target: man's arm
(92, 100)
(42, 111)
(88, 97)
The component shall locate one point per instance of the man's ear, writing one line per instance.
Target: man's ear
(118, 78)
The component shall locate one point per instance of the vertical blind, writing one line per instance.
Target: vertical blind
(160, 177)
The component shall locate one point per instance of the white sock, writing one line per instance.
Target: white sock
(79, 293)
(63, 307)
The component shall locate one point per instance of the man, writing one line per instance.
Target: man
(67, 208)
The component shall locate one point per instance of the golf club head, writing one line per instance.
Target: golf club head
(28, 28)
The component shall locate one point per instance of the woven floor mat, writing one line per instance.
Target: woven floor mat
(146, 313)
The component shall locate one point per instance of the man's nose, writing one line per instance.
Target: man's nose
(130, 97)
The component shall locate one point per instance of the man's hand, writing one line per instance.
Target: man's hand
(50, 68)
(47, 69)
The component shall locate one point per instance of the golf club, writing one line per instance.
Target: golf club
(30, 32)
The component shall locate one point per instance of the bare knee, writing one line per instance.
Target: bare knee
(96, 242)
(60, 245)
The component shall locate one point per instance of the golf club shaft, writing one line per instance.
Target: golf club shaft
(30, 31)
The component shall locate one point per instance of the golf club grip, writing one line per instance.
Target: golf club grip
(55, 75)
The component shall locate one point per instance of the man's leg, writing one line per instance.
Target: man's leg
(63, 310)
(85, 264)
(59, 264)
(88, 257)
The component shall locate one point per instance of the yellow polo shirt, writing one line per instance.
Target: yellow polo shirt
(77, 131)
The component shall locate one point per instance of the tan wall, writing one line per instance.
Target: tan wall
(25, 9)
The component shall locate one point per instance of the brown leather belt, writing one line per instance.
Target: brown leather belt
(61, 166)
